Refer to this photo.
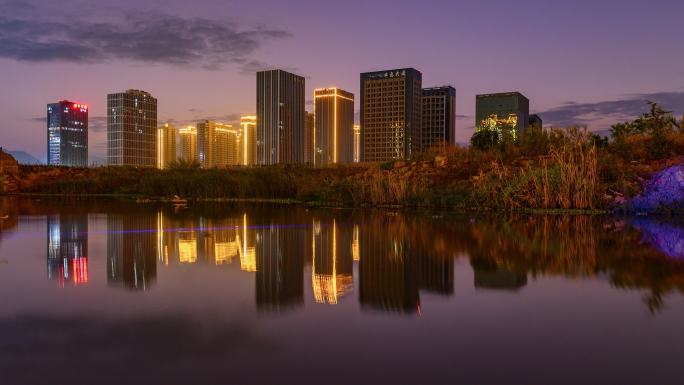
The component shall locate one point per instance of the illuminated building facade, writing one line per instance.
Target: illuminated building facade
(132, 129)
(334, 126)
(67, 134)
(280, 117)
(187, 138)
(217, 144)
(166, 145)
(391, 109)
(67, 248)
(439, 118)
(505, 113)
(248, 125)
(309, 137)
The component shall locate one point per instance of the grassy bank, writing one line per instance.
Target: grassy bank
(559, 169)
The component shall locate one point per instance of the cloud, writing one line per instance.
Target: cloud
(227, 118)
(147, 37)
(601, 115)
(95, 123)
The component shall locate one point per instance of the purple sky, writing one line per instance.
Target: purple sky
(579, 62)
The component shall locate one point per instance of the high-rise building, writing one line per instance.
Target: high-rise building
(439, 117)
(166, 145)
(503, 112)
(132, 129)
(280, 117)
(187, 138)
(391, 108)
(357, 143)
(217, 144)
(309, 137)
(334, 126)
(536, 121)
(67, 134)
(248, 125)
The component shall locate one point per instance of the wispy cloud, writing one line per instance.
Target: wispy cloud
(227, 118)
(95, 123)
(601, 114)
(148, 37)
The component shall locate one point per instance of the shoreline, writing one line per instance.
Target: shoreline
(139, 199)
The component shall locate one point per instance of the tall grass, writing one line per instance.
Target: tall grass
(565, 178)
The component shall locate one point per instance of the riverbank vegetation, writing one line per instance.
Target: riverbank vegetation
(540, 169)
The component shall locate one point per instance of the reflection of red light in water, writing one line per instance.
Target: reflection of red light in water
(80, 268)
(74, 271)
(60, 275)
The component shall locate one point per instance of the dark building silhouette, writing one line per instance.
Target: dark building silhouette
(280, 118)
(391, 108)
(536, 121)
(67, 248)
(439, 118)
(309, 128)
(67, 134)
(132, 250)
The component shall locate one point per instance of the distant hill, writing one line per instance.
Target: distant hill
(23, 157)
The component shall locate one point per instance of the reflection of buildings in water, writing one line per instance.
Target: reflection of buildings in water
(246, 242)
(204, 239)
(435, 273)
(131, 250)
(279, 268)
(397, 264)
(67, 248)
(225, 238)
(331, 272)
(356, 252)
(387, 278)
(187, 247)
(167, 239)
(490, 276)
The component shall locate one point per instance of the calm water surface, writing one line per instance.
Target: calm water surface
(102, 292)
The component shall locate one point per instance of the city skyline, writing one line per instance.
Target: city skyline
(597, 74)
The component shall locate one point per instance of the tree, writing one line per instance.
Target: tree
(484, 139)
(656, 122)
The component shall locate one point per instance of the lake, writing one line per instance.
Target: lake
(98, 291)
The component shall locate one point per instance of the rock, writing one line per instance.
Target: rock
(665, 191)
